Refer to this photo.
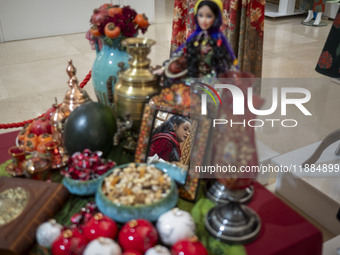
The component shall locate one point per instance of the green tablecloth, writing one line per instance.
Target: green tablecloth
(198, 211)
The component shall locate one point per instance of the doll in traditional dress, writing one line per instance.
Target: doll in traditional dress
(206, 51)
(166, 139)
(312, 6)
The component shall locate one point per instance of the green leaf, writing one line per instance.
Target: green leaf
(214, 246)
(108, 41)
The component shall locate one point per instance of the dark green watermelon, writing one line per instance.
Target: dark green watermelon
(90, 126)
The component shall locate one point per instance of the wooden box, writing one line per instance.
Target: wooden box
(39, 200)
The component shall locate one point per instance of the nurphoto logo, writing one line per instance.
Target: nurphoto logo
(238, 105)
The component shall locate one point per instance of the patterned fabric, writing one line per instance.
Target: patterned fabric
(315, 5)
(329, 61)
(243, 22)
(183, 23)
(166, 147)
(206, 55)
(319, 5)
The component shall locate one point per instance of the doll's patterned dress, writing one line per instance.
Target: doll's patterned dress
(206, 50)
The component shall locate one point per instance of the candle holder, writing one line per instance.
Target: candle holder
(18, 157)
(218, 193)
(232, 221)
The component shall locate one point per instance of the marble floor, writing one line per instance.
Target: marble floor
(33, 74)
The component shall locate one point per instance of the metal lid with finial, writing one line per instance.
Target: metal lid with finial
(75, 96)
(71, 70)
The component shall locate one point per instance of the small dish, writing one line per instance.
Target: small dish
(82, 188)
(171, 75)
(59, 161)
(124, 213)
(13, 170)
(37, 167)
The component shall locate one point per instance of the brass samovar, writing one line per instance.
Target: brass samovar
(136, 84)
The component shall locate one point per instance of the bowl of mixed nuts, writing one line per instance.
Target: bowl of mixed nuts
(135, 191)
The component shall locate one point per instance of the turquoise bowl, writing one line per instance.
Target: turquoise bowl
(124, 213)
(82, 188)
(175, 172)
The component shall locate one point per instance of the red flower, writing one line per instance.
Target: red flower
(123, 20)
(129, 13)
(129, 30)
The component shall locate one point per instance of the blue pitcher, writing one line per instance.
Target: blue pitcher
(111, 58)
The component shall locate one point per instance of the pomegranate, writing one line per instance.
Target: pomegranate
(49, 113)
(40, 126)
(99, 16)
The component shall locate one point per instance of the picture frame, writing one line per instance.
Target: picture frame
(176, 100)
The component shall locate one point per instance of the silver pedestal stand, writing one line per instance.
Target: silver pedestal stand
(218, 193)
(233, 222)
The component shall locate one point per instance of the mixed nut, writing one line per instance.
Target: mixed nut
(136, 185)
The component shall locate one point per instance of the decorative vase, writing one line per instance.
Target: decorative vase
(111, 58)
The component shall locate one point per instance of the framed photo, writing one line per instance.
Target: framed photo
(171, 103)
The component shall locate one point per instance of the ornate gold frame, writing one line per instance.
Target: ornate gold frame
(176, 100)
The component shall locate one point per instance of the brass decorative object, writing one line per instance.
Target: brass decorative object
(135, 86)
(13, 202)
(74, 97)
(56, 124)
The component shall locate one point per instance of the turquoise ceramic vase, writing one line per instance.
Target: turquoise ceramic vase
(110, 54)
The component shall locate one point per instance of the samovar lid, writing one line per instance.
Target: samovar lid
(139, 70)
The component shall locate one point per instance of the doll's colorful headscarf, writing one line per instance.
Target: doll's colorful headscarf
(217, 2)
